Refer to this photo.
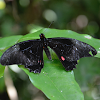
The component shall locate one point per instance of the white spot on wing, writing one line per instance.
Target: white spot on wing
(55, 46)
(76, 48)
(30, 51)
(15, 48)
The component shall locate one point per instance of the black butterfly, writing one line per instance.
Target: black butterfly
(30, 53)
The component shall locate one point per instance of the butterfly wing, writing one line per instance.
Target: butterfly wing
(70, 50)
(28, 53)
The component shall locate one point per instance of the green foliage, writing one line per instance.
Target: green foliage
(8, 41)
(2, 68)
(54, 81)
(88, 75)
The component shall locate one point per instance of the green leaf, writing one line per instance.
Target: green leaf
(54, 81)
(2, 68)
(8, 41)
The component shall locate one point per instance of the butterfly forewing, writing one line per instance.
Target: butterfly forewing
(30, 53)
(70, 50)
(27, 53)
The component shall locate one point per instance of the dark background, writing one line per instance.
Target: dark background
(20, 16)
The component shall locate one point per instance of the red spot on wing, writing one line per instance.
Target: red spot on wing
(62, 58)
(39, 61)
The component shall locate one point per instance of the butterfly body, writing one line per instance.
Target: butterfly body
(30, 53)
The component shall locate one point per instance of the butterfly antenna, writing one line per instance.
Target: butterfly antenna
(48, 26)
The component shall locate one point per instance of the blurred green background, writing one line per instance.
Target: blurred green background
(20, 16)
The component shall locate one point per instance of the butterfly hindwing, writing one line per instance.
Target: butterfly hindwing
(70, 50)
(28, 53)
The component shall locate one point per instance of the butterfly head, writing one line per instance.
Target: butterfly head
(42, 36)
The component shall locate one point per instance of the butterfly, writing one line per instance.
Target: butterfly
(30, 53)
